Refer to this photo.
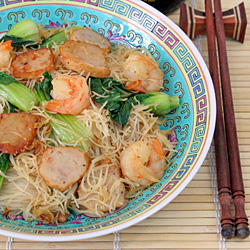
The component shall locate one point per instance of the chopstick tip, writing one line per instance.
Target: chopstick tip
(228, 232)
(242, 232)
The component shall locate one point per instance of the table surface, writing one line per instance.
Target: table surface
(192, 220)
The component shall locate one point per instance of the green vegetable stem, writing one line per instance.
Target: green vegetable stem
(17, 93)
(71, 130)
(68, 128)
(159, 102)
(119, 101)
(4, 165)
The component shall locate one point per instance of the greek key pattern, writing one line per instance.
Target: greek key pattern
(120, 7)
(167, 188)
(189, 122)
(201, 104)
(198, 138)
(180, 51)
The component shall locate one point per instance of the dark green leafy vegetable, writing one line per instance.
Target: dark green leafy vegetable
(119, 101)
(17, 93)
(4, 165)
(13, 109)
(20, 42)
(44, 88)
(57, 38)
(67, 127)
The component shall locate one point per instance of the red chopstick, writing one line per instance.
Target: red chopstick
(229, 173)
(223, 175)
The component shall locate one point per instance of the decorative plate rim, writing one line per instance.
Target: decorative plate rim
(181, 187)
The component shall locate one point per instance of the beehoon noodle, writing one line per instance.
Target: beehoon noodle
(25, 191)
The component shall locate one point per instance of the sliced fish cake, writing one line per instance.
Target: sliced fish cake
(90, 36)
(17, 133)
(61, 167)
(84, 58)
(32, 64)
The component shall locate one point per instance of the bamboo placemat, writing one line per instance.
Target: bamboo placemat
(192, 220)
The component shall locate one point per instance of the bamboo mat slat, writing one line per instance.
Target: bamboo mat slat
(173, 229)
(191, 220)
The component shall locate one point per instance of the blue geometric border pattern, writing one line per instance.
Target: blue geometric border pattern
(117, 6)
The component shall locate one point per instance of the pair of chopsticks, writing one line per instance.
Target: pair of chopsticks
(229, 175)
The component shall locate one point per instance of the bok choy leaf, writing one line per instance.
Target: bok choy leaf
(116, 98)
(25, 32)
(68, 128)
(4, 165)
(16, 93)
(119, 101)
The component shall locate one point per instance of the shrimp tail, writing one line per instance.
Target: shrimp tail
(136, 85)
(156, 146)
(6, 46)
(56, 106)
(144, 173)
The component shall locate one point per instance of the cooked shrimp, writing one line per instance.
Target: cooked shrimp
(33, 63)
(85, 58)
(142, 162)
(143, 73)
(90, 36)
(5, 53)
(71, 95)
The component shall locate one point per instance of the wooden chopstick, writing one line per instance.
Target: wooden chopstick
(229, 173)
(223, 175)
(241, 221)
